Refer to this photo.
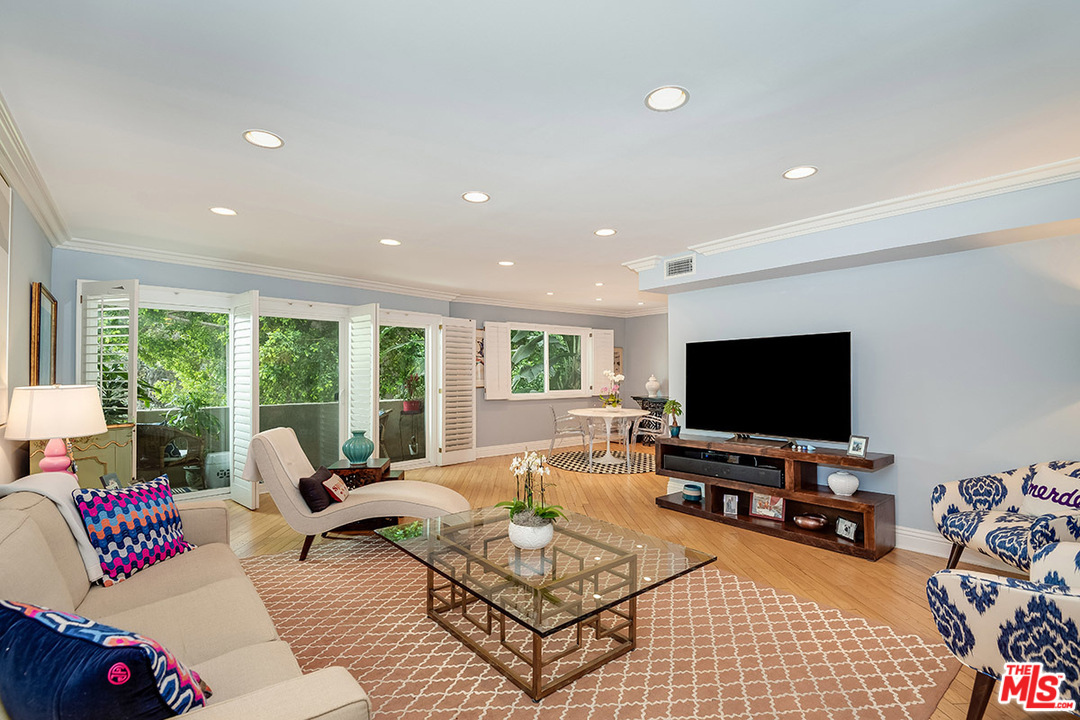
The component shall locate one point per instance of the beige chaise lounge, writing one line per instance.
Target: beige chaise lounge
(199, 604)
(276, 458)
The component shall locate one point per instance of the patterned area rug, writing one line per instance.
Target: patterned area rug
(710, 645)
(578, 461)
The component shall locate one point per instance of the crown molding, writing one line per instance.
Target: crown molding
(105, 248)
(544, 307)
(22, 174)
(1010, 182)
(645, 263)
(99, 247)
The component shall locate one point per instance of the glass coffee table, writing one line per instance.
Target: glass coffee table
(543, 618)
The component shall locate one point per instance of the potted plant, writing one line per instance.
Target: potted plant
(674, 409)
(610, 394)
(413, 387)
(531, 519)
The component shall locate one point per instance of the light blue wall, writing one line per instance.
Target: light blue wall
(502, 422)
(69, 266)
(30, 261)
(962, 364)
(645, 353)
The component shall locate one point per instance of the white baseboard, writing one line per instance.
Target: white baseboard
(540, 446)
(929, 542)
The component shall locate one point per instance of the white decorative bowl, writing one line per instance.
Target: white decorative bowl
(843, 483)
(531, 538)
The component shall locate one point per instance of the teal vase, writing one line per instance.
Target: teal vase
(358, 448)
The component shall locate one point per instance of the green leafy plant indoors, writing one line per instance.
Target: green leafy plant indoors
(674, 409)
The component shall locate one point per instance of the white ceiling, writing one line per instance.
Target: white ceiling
(391, 110)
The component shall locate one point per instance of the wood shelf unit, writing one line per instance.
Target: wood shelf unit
(873, 513)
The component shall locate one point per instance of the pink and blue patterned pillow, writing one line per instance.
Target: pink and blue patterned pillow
(132, 528)
(59, 665)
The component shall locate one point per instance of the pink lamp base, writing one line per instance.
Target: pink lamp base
(56, 458)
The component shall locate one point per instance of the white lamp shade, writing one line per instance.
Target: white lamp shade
(55, 411)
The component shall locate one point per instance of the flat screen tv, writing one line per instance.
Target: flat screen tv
(791, 387)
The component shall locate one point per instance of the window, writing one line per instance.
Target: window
(536, 362)
(544, 362)
(299, 380)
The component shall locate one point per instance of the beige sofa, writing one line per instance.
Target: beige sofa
(200, 605)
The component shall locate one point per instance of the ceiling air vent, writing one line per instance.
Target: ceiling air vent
(676, 267)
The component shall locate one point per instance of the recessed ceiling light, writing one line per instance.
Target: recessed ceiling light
(605, 232)
(222, 211)
(669, 97)
(506, 263)
(551, 293)
(599, 299)
(475, 196)
(599, 284)
(388, 241)
(263, 139)
(798, 173)
(641, 303)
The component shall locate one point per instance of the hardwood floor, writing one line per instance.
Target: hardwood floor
(890, 591)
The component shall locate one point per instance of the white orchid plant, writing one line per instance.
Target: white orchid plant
(529, 506)
(609, 394)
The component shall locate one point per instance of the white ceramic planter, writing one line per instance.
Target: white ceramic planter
(531, 538)
(843, 483)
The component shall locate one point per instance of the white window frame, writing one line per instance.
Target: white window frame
(581, 332)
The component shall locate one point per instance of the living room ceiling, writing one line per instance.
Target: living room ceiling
(390, 111)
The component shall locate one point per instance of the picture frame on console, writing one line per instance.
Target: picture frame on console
(847, 529)
(731, 505)
(767, 507)
(857, 446)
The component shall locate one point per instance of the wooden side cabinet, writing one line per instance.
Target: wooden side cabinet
(872, 513)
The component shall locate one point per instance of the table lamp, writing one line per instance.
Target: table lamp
(56, 412)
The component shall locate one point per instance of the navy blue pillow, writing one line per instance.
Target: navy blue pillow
(59, 665)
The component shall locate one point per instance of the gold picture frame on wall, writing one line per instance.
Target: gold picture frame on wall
(42, 336)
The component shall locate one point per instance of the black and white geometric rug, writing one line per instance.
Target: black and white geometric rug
(578, 461)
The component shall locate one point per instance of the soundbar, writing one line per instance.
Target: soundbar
(760, 475)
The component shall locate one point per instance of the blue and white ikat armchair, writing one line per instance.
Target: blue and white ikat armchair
(984, 513)
(988, 620)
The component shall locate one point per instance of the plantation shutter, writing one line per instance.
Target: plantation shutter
(457, 400)
(243, 392)
(109, 345)
(363, 389)
(602, 357)
(496, 361)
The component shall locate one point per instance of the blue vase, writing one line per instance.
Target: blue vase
(358, 448)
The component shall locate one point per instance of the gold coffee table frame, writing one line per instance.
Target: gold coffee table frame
(476, 581)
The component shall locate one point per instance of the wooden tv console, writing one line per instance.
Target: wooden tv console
(874, 513)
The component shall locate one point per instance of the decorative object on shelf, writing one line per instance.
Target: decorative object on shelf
(847, 529)
(811, 521)
(531, 518)
(652, 386)
(56, 412)
(691, 492)
(673, 408)
(731, 505)
(414, 390)
(856, 446)
(42, 336)
(358, 448)
(843, 483)
(767, 506)
(609, 394)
